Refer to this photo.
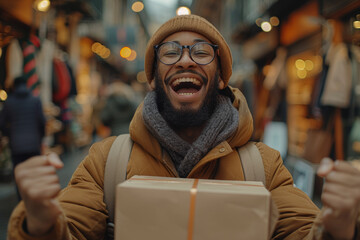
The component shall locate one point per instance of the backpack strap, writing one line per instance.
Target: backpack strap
(115, 171)
(251, 161)
(253, 169)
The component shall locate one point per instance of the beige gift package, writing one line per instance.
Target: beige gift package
(159, 208)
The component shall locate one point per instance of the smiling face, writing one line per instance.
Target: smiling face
(187, 85)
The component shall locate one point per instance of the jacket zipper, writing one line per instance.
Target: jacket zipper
(168, 164)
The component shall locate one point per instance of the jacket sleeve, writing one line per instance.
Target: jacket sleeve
(84, 211)
(296, 210)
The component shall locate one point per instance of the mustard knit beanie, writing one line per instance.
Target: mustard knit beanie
(192, 23)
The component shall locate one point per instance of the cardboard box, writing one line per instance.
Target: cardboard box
(161, 208)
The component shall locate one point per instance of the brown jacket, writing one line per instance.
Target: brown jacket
(85, 212)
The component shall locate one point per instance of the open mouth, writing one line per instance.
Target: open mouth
(186, 86)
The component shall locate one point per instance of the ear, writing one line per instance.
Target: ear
(152, 84)
(221, 84)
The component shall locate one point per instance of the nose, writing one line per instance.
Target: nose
(185, 60)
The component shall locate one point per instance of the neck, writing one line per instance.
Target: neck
(190, 134)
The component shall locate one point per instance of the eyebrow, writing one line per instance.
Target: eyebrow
(197, 40)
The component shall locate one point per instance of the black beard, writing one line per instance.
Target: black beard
(181, 118)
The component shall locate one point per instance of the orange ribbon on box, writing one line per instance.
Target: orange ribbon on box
(193, 192)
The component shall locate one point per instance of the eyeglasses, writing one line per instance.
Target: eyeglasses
(170, 53)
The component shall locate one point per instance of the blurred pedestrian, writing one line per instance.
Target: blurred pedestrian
(22, 120)
(119, 108)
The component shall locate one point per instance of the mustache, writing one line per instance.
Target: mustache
(204, 79)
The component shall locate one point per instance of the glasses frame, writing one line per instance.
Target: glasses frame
(157, 47)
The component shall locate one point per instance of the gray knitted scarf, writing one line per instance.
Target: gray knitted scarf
(220, 126)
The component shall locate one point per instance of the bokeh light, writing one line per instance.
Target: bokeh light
(100, 50)
(137, 6)
(356, 24)
(43, 5)
(132, 56)
(274, 21)
(300, 64)
(183, 11)
(301, 73)
(125, 52)
(266, 26)
(3, 95)
(258, 21)
(309, 65)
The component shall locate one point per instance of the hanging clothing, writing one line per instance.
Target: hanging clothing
(29, 47)
(61, 81)
(61, 88)
(317, 109)
(337, 89)
(44, 59)
(14, 62)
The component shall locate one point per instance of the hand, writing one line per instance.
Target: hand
(340, 197)
(38, 185)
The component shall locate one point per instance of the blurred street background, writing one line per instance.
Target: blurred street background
(297, 63)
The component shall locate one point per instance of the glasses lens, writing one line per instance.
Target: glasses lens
(202, 53)
(169, 53)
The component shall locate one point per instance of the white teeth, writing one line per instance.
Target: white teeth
(181, 80)
(187, 94)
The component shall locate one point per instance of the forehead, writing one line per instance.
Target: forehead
(186, 37)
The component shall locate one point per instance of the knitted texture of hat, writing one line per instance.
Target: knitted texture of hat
(192, 23)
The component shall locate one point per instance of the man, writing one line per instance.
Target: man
(198, 120)
(23, 121)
